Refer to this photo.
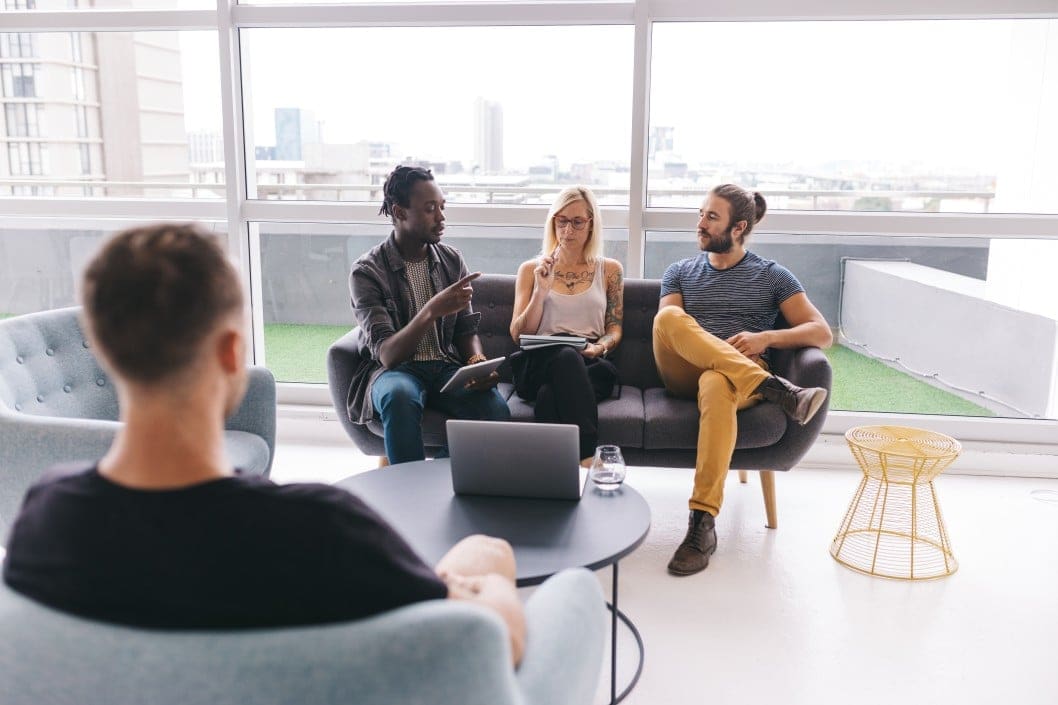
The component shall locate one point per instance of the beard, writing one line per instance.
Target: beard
(721, 244)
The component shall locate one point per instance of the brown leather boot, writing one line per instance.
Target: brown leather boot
(693, 554)
(800, 404)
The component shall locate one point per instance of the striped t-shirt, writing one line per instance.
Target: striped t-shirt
(745, 297)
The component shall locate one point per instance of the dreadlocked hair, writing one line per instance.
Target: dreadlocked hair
(398, 186)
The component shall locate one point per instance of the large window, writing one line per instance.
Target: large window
(41, 263)
(921, 324)
(501, 114)
(111, 114)
(868, 116)
(908, 156)
(305, 282)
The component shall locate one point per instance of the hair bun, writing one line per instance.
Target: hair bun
(761, 204)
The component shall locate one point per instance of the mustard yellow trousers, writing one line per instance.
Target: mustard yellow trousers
(694, 363)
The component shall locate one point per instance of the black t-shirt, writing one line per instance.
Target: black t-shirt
(234, 552)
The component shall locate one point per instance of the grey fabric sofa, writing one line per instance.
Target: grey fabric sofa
(57, 405)
(651, 427)
(433, 653)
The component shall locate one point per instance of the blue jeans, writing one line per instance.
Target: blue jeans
(400, 395)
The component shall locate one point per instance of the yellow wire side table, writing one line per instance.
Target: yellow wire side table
(893, 527)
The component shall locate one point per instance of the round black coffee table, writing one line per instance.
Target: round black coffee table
(547, 535)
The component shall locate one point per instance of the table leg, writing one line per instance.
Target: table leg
(613, 639)
(615, 615)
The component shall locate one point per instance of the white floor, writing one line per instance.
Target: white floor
(774, 619)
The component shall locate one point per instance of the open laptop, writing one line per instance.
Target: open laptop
(511, 459)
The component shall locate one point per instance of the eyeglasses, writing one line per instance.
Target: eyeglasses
(577, 223)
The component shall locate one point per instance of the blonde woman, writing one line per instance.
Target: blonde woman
(570, 289)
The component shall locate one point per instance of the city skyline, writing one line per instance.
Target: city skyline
(933, 127)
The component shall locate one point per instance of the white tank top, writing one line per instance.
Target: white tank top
(582, 314)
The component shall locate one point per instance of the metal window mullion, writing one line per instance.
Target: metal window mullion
(896, 225)
(637, 183)
(457, 213)
(139, 209)
(109, 20)
(243, 244)
(465, 14)
(785, 11)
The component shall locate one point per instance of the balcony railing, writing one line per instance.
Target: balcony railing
(828, 199)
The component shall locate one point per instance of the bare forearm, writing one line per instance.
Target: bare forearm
(469, 346)
(813, 333)
(498, 594)
(611, 339)
(528, 321)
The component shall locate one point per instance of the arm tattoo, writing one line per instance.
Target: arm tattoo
(615, 307)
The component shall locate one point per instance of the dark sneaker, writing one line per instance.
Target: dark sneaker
(800, 404)
(693, 554)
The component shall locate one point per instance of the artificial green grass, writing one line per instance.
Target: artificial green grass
(297, 353)
(865, 384)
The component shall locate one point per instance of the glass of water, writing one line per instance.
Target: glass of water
(608, 468)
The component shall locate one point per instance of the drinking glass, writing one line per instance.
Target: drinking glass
(608, 468)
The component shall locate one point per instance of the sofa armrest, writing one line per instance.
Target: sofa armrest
(566, 633)
(805, 367)
(257, 412)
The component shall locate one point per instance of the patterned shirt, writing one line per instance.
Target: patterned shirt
(429, 347)
(745, 297)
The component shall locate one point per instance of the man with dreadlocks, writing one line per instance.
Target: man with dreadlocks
(411, 298)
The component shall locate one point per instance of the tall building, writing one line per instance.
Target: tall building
(294, 129)
(660, 140)
(205, 146)
(89, 107)
(488, 136)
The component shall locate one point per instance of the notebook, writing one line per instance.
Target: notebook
(532, 342)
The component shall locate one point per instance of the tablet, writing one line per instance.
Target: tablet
(475, 371)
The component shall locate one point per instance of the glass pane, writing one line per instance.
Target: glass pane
(41, 263)
(949, 116)
(126, 114)
(497, 115)
(923, 325)
(305, 283)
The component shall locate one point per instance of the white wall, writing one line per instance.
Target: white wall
(944, 324)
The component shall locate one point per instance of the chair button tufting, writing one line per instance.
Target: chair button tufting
(49, 352)
(18, 407)
(101, 382)
(19, 360)
(84, 343)
(40, 398)
(67, 388)
(492, 304)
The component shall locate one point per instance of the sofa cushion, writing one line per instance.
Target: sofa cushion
(620, 419)
(673, 423)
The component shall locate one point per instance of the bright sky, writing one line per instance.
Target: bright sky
(931, 92)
